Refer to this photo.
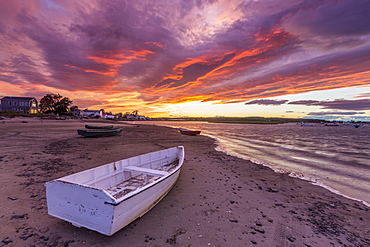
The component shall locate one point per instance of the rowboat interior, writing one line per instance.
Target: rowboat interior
(122, 177)
(130, 179)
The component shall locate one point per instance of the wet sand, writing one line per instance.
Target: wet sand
(219, 200)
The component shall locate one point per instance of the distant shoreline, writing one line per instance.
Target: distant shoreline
(245, 122)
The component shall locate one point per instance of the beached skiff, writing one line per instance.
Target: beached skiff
(109, 197)
(98, 127)
(189, 132)
(99, 132)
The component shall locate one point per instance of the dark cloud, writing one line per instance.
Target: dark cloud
(304, 102)
(266, 102)
(335, 18)
(342, 104)
(357, 105)
(335, 113)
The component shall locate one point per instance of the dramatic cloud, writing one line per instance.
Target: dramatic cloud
(163, 52)
(304, 102)
(347, 104)
(266, 102)
(356, 105)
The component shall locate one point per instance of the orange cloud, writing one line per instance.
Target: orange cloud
(189, 99)
(114, 60)
(247, 58)
(242, 60)
(160, 45)
(268, 87)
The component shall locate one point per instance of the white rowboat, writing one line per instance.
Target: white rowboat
(109, 197)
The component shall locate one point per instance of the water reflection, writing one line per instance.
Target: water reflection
(336, 157)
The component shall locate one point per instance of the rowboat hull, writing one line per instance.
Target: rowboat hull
(99, 132)
(98, 127)
(97, 199)
(189, 132)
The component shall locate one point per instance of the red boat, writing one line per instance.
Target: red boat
(189, 132)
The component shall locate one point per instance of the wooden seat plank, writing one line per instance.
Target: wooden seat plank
(146, 170)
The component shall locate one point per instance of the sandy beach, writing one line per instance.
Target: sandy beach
(219, 200)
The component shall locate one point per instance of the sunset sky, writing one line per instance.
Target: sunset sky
(287, 58)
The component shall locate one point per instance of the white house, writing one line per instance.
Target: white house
(135, 117)
(109, 116)
(92, 113)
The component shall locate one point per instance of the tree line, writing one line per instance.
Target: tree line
(57, 104)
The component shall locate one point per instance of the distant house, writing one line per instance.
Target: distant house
(109, 116)
(77, 112)
(135, 117)
(19, 104)
(92, 113)
(131, 117)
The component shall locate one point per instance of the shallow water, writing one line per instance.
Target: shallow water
(336, 157)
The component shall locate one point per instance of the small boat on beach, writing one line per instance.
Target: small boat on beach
(109, 197)
(99, 132)
(189, 132)
(358, 125)
(98, 127)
